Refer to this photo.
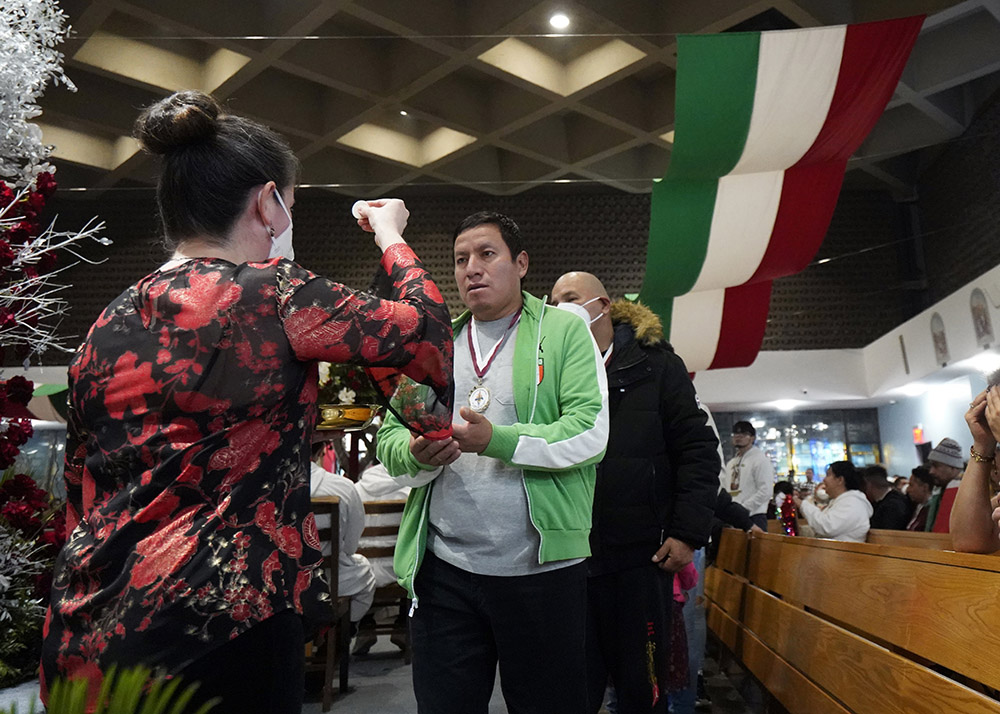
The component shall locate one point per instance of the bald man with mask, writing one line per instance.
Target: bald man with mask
(656, 491)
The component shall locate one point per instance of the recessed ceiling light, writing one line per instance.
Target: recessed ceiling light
(403, 113)
(559, 21)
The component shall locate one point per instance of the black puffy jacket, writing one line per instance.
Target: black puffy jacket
(660, 474)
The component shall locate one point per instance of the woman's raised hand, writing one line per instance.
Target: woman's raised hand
(385, 217)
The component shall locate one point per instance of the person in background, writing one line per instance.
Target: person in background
(945, 464)
(782, 489)
(656, 489)
(809, 484)
(376, 484)
(751, 474)
(492, 549)
(355, 578)
(192, 547)
(900, 483)
(974, 514)
(847, 516)
(893, 510)
(919, 492)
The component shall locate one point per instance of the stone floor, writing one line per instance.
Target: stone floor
(380, 684)
(21, 696)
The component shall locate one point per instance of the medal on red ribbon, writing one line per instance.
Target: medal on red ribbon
(479, 396)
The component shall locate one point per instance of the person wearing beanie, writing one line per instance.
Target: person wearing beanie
(946, 465)
(750, 474)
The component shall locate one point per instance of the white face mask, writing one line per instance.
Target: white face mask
(281, 245)
(580, 310)
(779, 500)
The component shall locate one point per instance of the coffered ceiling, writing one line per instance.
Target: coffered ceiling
(445, 95)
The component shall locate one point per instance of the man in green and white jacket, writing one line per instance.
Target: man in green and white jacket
(493, 537)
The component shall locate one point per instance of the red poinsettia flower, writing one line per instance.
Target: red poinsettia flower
(46, 184)
(19, 431)
(47, 262)
(8, 453)
(23, 488)
(21, 232)
(32, 204)
(7, 254)
(21, 516)
(19, 389)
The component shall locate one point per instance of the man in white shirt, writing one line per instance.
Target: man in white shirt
(376, 484)
(750, 473)
(354, 572)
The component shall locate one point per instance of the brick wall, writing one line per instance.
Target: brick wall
(846, 303)
(959, 200)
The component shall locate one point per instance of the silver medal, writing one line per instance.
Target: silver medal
(479, 399)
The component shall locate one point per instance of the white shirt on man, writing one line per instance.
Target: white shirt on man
(354, 572)
(751, 480)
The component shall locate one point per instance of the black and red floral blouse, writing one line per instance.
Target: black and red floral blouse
(192, 407)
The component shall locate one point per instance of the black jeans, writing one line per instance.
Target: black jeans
(259, 671)
(533, 625)
(628, 638)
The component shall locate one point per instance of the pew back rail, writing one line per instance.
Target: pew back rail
(828, 626)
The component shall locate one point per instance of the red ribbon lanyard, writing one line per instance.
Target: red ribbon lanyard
(480, 373)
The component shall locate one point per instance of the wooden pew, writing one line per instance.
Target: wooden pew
(911, 539)
(859, 627)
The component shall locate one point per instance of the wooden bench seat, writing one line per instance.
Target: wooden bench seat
(828, 626)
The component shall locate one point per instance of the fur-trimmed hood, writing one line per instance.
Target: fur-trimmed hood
(646, 323)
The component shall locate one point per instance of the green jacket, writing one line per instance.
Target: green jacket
(561, 398)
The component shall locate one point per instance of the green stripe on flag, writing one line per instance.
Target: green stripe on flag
(716, 79)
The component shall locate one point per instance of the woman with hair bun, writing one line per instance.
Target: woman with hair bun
(848, 513)
(192, 401)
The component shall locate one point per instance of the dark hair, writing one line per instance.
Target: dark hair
(847, 471)
(211, 161)
(744, 427)
(784, 487)
(923, 474)
(876, 475)
(509, 231)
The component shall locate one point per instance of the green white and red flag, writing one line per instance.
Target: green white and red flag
(765, 123)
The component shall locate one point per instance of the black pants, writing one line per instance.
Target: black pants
(533, 625)
(259, 671)
(628, 638)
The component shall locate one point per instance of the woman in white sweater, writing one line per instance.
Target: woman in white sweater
(847, 516)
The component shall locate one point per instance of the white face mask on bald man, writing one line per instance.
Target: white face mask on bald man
(580, 310)
(281, 245)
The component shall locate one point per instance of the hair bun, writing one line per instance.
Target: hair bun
(181, 119)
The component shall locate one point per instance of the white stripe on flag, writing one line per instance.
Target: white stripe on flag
(745, 208)
(797, 73)
(695, 325)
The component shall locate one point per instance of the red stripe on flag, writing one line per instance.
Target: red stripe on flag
(873, 60)
(744, 319)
